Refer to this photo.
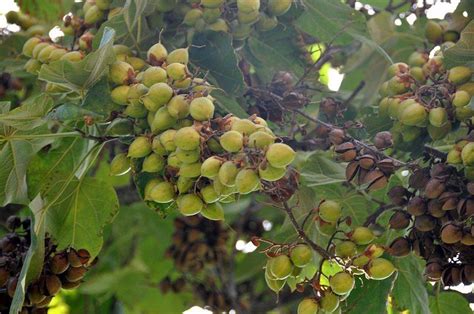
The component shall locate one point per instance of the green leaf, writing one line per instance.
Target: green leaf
(369, 296)
(229, 104)
(30, 114)
(318, 170)
(461, 53)
(213, 51)
(48, 10)
(449, 303)
(98, 99)
(409, 291)
(82, 75)
(71, 112)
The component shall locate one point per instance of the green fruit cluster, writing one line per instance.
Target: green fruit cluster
(462, 153)
(94, 10)
(438, 32)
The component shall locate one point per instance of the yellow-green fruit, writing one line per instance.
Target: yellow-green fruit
(135, 93)
(464, 113)
(221, 189)
(183, 84)
(157, 53)
(190, 170)
(120, 72)
(451, 36)
(189, 204)
(167, 140)
(274, 284)
(188, 156)
(103, 4)
(461, 98)
(122, 50)
(301, 255)
(153, 163)
(163, 192)
(211, 15)
(184, 184)
(439, 133)
(248, 18)
(232, 141)
(140, 147)
(93, 15)
(469, 173)
(218, 26)
(361, 261)
(162, 121)
(248, 6)
(178, 106)
(394, 106)
(459, 75)
(341, 283)
(266, 23)
(380, 268)
(434, 32)
(178, 56)
(346, 249)
(454, 157)
(119, 94)
(214, 145)
(157, 147)
(211, 3)
(329, 302)
(278, 7)
(413, 115)
(165, 5)
(397, 68)
(149, 186)
(467, 154)
(280, 155)
(330, 211)
(467, 87)
(397, 86)
(201, 109)
(243, 126)
(36, 30)
(401, 107)
(213, 211)
(210, 167)
(417, 59)
(227, 173)
(158, 95)
(280, 266)
(29, 45)
(154, 75)
(37, 49)
(73, 56)
(176, 71)
(418, 74)
(241, 31)
(192, 16)
(187, 138)
(56, 54)
(308, 306)
(209, 195)
(247, 181)
(438, 116)
(137, 63)
(32, 66)
(362, 235)
(270, 173)
(120, 165)
(260, 139)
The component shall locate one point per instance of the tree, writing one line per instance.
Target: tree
(153, 144)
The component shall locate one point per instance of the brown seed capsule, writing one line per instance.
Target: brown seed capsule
(419, 179)
(337, 136)
(351, 170)
(344, 147)
(398, 195)
(366, 161)
(84, 256)
(4, 274)
(435, 208)
(452, 276)
(11, 286)
(383, 140)
(59, 263)
(467, 239)
(53, 284)
(399, 220)
(470, 188)
(348, 155)
(434, 188)
(43, 304)
(468, 272)
(433, 271)
(450, 233)
(74, 274)
(450, 204)
(73, 258)
(34, 294)
(379, 183)
(416, 206)
(386, 165)
(400, 247)
(425, 223)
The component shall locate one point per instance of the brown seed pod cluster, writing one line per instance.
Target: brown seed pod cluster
(61, 269)
(7, 82)
(437, 208)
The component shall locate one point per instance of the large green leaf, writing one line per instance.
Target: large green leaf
(30, 114)
(449, 303)
(229, 104)
(369, 296)
(319, 169)
(462, 53)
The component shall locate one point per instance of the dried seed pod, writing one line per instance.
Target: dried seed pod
(366, 161)
(386, 165)
(348, 155)
(351, 170)
(400, 247)
(416, 206)
(73, 258)
(434, 271)
(383, 140)
(344, 147)
(398, 195)
(425, 223)
(379, 182)
(434, 188)
(399, 220)
(337, 136)
(53, 285)
(59, 263)
(468, 272)
(435, 208)
(451, 233)
(419, 179)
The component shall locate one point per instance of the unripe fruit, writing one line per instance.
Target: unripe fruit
(425, 223)
(210, 167)
(37, 49)
(165, 5)
(178, 107)
(150, 185)
(167, 140)
(280, 155)
(140, 147)
(154, 75)
(209, 194)
(120, 165)
(189, 204)
(173, 161)
(121, 72)
(221, 189)
(397, 68)
(246, 181)
(29, 45)
(278, 7)
(192, 16)
(380, 268)
(218, 26)
(346, 249)
(153, 163)
(184, 184)
(266, 23)
(330, 211)
(119, 95)
(342, 283)
(59, 264)
(213, 211)
(187, 138)
(243, 126)
(413, 115)
(190, 170)
(417, 59)
(176, 71)
(103, 4)
(73, 56)
(301, 255)
(136, 63)
(308, 306)
(158, 95)
(274, 284)
(439, 133)
(157, 54)
(211, 3)
(32, 66)
(362, 235)
(188, 156)
(418, 74)
(201, 109)
(454, 157)
(260, 139)
(438, 116)
(93, 15)
(211, 15)
(270, 173)
(248, 6)
(74, 274)
(329, 302)
(135, 93)
(434, 32)
(162, 121)
(459, 75)
(461, 98)
(397, 86)
(178, 56)
(232, 141)
(163, 192)
(227, 173)
(467, 154)
(280, 266)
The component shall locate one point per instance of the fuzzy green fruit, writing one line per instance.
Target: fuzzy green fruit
(154, 75)
(227, 173)
(301, 255)
(454, 157)
(413, 115)
(188, 156)
(274, 284)
(149, 187)
(213, 211)
(209, 194)
(162, 121)
(167, 140)
(176, 71)
(32, 66)
(248, 6)
(346, 249)
(308, 306)
(434, 32)
(103, 4)
(135, 111)
(184, 184)
(192, 16)
(438, 117)
(330, 211)
(29, 45)
(121, 72)
(397, 68)
(210, 167)
(140, 147)
(260, 139)
(248, 18)
(93, 15)
(417, 59)
(73, 56)
(270, 173)
(135, 93)
(178, 56)
(187, 138)
(37, 49)
(361, 261)
(157, 54)
(157, 147)
(461, 98)
(247, 181)
(120, 165)
(243, 126)
(329, 302)
(438, 133)
(232, 141)
(211, 15)
(459, 75)
(467, 154)
(158, 95)
(362, 235)
(119, 95)
(163, 193)
(173, 161)
(280, 155)
(136, 63)
(178, 107)
(397, 86)
(380, 268)
(201, 109)
(153, 163)
(189, 204)
(190, 170)
(278, 7)
(342, 283)
(221, 189)
(211, 3)
(280, 267)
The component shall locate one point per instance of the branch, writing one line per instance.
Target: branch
(373, 218)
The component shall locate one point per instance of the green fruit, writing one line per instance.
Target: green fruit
(184, 184)
(120, 165)
(178, 56)
(136, 63)
(176, 71)
(439, 133)
(394, 106)
(153, 163)
(270, 173)
(32, 66)
(330, 211)
(119, 94)
(247, 181)
(120, 72)
(157, 147)
(248, 6)
(451, 36)
(341, 283)
(434, 32)
(227, 173)
(417, 59)
(56, 54)
(380, 268)
(210, 167)
(178, 107)
(190, 170)
(103, 4)
(467, 154)
(183, 84)
(278, 7)
(362, 235)
(280, 267)
(361, 261)
(187, 138)
(119, 127)
(154, 75)
(301, 255)
(221, 189)
(162, 121)
(438, 117)
(459, 75)
(158, 95)
(201, 109)
(400, 107)
(93, 15)
(241, 31)
(454, 157)
(461, 98)
(135, 93)
(140, 147)
(211, 15)
(135, 111)
(274, 284)
(211, 3)
(167, 140)
(72, 56)
(191, 17)
(248, 18)
(213, 211)
(418, 74)
(280, 155)
(189, 204)
(467, 87)
(266, 23)
(329, 302)
(188, 156)
(397, 86)
(260, 139)
(163, 193)
(413, 115)
(397, 68)
(29, 45)
(232, 141)
(308, 306)
(469, 173)
(209, 195)
(214, 146)
(37, 49)
(243, 126)
(346, 249)
(464, 113)
(149, 187)
(165, 5)
(122, 50)
(157, 54)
